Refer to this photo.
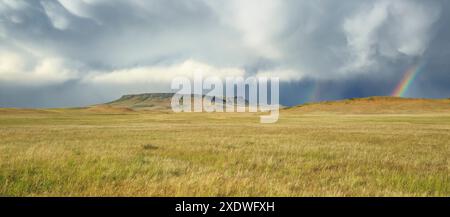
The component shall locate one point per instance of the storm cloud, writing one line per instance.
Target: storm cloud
(81, 52)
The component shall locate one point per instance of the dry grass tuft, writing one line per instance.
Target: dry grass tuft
(149, 147)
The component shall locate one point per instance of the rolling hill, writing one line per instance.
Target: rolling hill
(369, 105)
(151, 101)
(376, 105)
(145, 101)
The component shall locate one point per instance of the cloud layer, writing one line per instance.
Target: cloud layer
(109, 48)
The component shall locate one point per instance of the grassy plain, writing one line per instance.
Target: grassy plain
(76, 152)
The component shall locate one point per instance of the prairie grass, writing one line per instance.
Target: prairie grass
(73, 152)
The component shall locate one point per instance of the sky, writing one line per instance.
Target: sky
(63, 53)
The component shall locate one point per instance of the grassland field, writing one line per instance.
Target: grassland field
(74, 152)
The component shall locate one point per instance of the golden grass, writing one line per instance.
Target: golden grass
(378, 105)
(75, 152)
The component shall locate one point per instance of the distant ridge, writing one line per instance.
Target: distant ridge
(368, 105)
(144, 101)
(376, 105)
(155, 101)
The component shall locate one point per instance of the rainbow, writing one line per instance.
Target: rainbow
(314, 93)
(408, 78)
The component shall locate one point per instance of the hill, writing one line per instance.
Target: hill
(153, 101)
(376, 105)
(369, 105)
(144, 101)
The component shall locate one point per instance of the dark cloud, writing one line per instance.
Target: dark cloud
(53, 53)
